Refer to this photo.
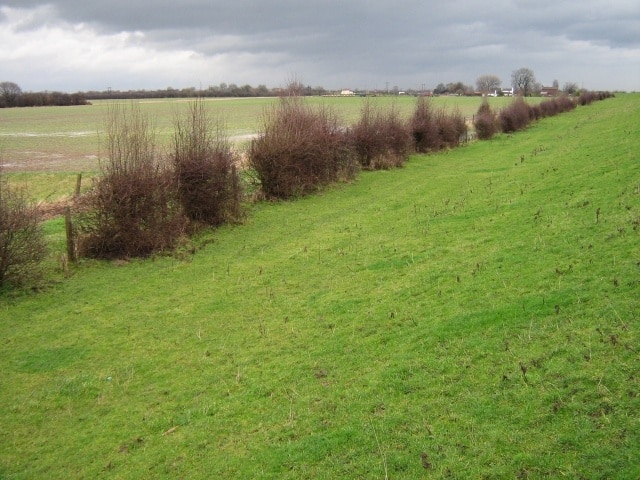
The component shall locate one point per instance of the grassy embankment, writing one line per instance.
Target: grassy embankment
(474, 314)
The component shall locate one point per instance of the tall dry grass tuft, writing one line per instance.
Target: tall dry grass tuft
(205, 168)
(133, 211)
(300, 149)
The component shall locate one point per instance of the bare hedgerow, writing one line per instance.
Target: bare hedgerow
(548, 108)
(398, 139)
(451, 127)
(299, 150)
(586, 97)
(366, 136)
(205, 167)
(516, 116)
(565, 104)
(380, 139)
(485, 122)
(132, 206)
(424, 129)
(22, 245)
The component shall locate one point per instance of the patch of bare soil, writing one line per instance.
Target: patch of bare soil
(50, 210)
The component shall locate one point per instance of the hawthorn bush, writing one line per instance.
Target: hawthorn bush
(565, 104)
(398, 140)
(424, 129)
(434, 130)
(548, 108)
(22, 245)
(587, 97)
(514, 117)
(299, 150)
(132, 206)
(451, 127)
(485, 122)
(380, 139)
(207, 180)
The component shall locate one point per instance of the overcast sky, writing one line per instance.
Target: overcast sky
(80, 45)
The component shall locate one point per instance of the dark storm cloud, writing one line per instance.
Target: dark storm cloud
(334, 43)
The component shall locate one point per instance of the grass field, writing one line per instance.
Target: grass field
(472, 315)
(68, 139)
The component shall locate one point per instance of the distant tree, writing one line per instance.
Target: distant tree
(570, 88)
(440, 89)
(537, 88)
(9, 93)
(523, 80)
(458, 88)
(488, 83)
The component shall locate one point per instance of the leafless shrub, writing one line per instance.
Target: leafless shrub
(133, 211)
(22, 245)
(366, 136)
(535, 112)
(208, 183)
(516, 116)
(586, 97)
(424, 130)
(397, 138)
(452, 127)
(565, 104)
(380, 139)
(485, 122)
(300, 149)
(549, 108)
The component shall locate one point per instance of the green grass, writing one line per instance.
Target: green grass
(472, 315)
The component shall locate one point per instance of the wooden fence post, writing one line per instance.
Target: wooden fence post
(78, 185)
(71, 250)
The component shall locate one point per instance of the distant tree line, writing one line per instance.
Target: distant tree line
(11, 95)
(212, 91)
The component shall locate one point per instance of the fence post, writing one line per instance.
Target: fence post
(78, 185)
(71, 250)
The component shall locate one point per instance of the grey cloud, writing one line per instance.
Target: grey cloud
(405, 41)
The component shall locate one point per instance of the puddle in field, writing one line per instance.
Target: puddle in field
(32, 154)
(84, 133)
(246, 136)
(47, 161)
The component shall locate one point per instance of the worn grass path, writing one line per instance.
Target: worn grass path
(472, 315)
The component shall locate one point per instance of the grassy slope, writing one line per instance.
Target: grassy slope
(471, 313)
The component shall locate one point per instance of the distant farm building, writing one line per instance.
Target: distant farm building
(549, 92)
(501, 93)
